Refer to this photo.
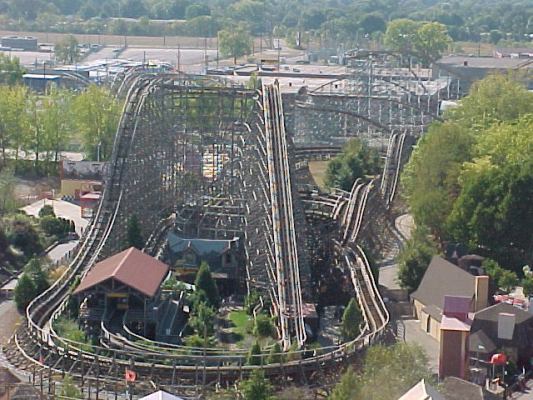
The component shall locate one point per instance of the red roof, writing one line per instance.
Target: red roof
(131, 267)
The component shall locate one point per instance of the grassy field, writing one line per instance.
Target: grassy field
(240, 320)
(318, 171)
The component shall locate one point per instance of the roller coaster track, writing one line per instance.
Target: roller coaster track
(392, 167)
(40, 346)
(289, 293)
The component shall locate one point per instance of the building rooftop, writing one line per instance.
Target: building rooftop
(458, 389)
(200, 246)
(422, 391)
(131, 267)
(443, 278)
(485, 62)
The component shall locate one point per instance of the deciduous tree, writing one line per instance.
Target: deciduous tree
(235, 42)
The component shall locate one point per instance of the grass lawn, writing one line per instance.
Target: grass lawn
(318, 171)
(240, 321)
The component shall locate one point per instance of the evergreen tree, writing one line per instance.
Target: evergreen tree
(275, 356)
(69, 389)
(347, 388)
(135, 238)
(204, 281)
(351, 321)
(254, 356)
(257, 387)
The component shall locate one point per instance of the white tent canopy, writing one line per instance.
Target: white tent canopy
(160, 395)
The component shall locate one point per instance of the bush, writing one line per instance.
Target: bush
(254, 356)
(47, 211)
(24, 292)
(275, 356)
(263, 326)
(54, 226)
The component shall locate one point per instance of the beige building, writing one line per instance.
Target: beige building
(444, 278)
(81, 177)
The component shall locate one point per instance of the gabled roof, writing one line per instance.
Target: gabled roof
(443, 278)
(491, 313)
(422, 391)
(160, 395)
(459, 389)
(486, 321)
(131, 267)
(200, 246)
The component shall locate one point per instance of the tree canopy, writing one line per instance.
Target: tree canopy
(204, 282)
(235, 42)
(470, 177)
(10, 70)
(387, 373)
(355, 161)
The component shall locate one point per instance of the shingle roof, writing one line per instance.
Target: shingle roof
(200, 246)
(422, 391)
(480, 342)
(459, 389)
(491, 313)
(131, 267)
(443, 278)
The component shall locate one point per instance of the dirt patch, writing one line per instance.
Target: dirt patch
(318, 171)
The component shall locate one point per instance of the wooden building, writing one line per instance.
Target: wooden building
(124, 287)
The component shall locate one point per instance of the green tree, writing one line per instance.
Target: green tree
(37, 275)
(204, 281)
(14, 124)
(47, 211)
(527, 285)
(355, 161)
(387, 373)
(414, 259)
(96, 114)
(254, 356)
(351, 321)
(235, 42)
(203, 320)
(508, 280)
(256, 387)
(67, 51)
(24, 292)
(7, 186)
(347, 388)
(276, 354)
(22, 234)
(425, 40)
(135, 237)
(431, 41)
(263, 326)
(10, 70)
(430, 177)
(197, 10)
(69, 389)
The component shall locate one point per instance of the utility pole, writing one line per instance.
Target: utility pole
(179, 57)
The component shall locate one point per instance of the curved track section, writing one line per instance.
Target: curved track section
(41, 347)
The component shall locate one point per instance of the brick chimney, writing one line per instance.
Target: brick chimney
(481, 292)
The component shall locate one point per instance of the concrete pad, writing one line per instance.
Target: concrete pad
(62, 209)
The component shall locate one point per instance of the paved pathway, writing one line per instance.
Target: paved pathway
(61, 250)
(413, 334)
